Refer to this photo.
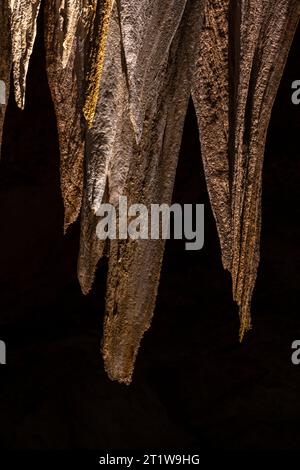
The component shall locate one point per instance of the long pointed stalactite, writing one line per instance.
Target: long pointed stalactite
(120, 74)
(5, 62)
(66, 85)
(265, 36)
(244, 48)
(210, 94)
(23, 26)
(74, 38)
(134, 264)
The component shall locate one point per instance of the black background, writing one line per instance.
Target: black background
(194, 385)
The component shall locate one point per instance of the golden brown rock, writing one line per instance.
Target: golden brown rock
(211, 100)
(121, 73)
(97, 13)
(109, 140)
(125, 90)
(244, 47)
(132, 150)
(134, 265)
(263, 36)
(5, 62)
(65, 77)
(75, 39)
(23, 18)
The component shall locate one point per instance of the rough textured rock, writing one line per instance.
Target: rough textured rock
(120, 75)
(96, 14)
(75, 38)
(134, 264)
(5, 61)
(244, 48)
(111, 142)
(137, 131)
(65, 78)
(263, 37)
(109, 139)
(211, 100)
(23, 17)
(147, 32)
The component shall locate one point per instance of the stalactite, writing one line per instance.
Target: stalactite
(211, 100)
(109, 138)
(127, 141)
(65, 77)
(262, 44)
(5, 62)
(74, 36)
(23, 18)
(233, 100)
(135, 264)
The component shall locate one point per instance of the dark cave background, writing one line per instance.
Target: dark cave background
(195, 385)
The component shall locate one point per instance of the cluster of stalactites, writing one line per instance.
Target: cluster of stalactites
(121, 74)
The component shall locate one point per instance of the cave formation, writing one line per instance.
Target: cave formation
(121, 77)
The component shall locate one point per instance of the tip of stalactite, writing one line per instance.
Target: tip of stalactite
(116, 376)
(67, 223)
(242, 333)
(70, 218)
(20, 100)
(85, 284)
(66, 226)
(121, 380)
(245, 326)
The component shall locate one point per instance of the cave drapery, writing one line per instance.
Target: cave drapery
(121, 74)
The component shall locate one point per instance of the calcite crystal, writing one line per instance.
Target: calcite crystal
(121, 73)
